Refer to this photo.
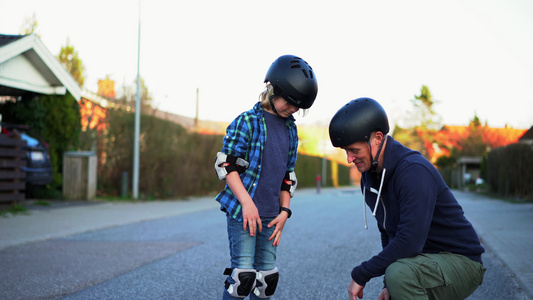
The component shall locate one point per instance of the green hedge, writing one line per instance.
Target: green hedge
(172, 162)
(308, 167)
(510, 171)
(175, 163)
(55, 118)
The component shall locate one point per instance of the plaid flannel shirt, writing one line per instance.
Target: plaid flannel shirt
(245, 138)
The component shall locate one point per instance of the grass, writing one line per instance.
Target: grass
(14, 210)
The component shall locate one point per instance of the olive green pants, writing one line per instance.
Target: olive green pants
(433, 276)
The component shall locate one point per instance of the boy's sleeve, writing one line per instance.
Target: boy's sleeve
(236, 140)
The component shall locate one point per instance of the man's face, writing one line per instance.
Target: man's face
(358, 153)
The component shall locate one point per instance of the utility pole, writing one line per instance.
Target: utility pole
(197, 109)
(135, 184)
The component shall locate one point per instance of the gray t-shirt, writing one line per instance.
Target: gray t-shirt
(273, 166)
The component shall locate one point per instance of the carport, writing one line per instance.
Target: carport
(26, 67)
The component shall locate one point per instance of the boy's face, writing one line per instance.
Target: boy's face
(283, 108)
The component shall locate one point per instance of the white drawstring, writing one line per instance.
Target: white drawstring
(364, 207)
(373, 190)
(379, 192)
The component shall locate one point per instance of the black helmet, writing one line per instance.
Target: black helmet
(294, 80)
(356, 120)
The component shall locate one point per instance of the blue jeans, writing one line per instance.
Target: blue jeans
(250, 252)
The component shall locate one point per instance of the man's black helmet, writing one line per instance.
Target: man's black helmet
(356, 120)
(294, 80)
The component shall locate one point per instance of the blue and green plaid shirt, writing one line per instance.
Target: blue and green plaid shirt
(245, 138)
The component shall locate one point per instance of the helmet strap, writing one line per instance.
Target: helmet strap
(375, 162)
(271, 100)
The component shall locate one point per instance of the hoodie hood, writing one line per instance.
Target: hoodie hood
(373, 182)
(393, 153)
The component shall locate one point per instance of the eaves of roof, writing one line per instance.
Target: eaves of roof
(33, 49)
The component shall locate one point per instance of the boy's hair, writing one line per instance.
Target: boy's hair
(268, 93)
(265, 96)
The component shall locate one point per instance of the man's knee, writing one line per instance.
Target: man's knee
(397, 274)
(415, 276)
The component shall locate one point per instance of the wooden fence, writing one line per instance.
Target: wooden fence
(12, 178)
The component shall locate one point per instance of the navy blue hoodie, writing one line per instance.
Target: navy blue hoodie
(417, 213)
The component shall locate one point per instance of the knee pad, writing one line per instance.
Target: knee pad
(267, 281)
(244, 281)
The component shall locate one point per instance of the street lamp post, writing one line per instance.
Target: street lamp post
(135, 185)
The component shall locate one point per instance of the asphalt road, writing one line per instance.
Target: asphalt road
(183, 256)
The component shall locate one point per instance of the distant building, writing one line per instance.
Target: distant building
(106, 88)
(527, 137)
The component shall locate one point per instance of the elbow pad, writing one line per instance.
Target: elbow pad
(234, 164)
(289, 183)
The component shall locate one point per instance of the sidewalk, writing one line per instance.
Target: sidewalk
(504, 228)
(61, 219)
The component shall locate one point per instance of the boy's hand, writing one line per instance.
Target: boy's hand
(279, 222)
(250, 218)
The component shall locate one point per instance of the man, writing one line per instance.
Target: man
(430, 250)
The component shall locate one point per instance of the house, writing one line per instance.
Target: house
(27, 66)
(527, 137)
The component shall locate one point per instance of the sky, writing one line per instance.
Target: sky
(475, 56)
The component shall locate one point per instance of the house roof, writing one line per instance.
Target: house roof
(6, 39)
(26, 65)
(528, 135)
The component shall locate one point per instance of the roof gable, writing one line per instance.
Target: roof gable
(528, 135)
(26, 64)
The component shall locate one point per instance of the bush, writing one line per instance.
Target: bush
(175, 162)
(56, 119)
(308, 167)
(509, 170)
(172, 162)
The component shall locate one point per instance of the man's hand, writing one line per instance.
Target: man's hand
(355, 291)
(384, 295)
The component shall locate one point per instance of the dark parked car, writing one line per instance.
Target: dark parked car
(38, 167)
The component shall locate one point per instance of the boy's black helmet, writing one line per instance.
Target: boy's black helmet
(294, 80)
(356, 120)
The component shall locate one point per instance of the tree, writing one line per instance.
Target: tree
(407, 136)
(425, 123)
(68, 56)
(30, 26)
(424, 112)
(473, 144)
(129, 95)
